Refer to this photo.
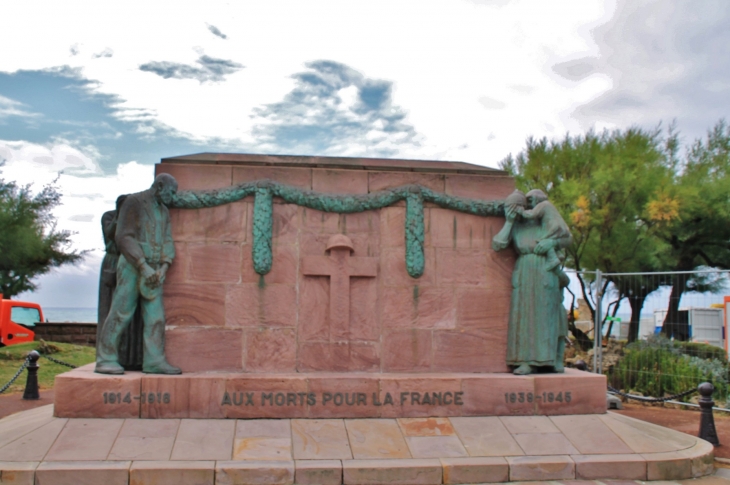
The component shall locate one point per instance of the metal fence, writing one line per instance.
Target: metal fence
(657, 333)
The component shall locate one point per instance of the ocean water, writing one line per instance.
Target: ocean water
(66, 314)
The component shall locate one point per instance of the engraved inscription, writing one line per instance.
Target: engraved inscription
(144, 398)
(447, 398)
(548, 397)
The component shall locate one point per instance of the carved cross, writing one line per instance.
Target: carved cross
(340, 266)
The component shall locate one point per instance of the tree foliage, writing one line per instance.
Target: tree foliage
(30, 244)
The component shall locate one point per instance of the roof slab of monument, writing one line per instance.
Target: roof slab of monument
(348, 163)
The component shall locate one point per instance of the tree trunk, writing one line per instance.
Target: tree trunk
(674, 325)
(637, 303)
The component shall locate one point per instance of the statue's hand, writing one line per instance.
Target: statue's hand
(544, 246)
(151, 277)
(510, 213)
(162, 272)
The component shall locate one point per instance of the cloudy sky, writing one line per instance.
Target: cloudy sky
(99, 91)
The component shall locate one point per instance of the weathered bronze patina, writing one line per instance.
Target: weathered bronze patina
(144, 240)
(538, 323)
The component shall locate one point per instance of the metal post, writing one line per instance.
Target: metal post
(707, 420)
(597, 331)
(31, 385)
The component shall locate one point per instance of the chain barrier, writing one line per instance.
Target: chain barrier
(17, 374)
(651, 399)
(60, 362)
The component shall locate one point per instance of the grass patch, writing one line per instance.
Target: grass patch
(12, 357)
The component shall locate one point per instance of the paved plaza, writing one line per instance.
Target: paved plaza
(35, 445)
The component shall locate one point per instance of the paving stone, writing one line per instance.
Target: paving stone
(204, 439)
(318, 472)
(18, 472)
(613, 466)
(485, 436)
(320, 439)
(259, 472)
(545, 444)
(643, 437)
(524, 468)
(590, 435)
(263, 439)
(145, 439)
(529, 424)
(376, 438)
(435, 446)
(85, 440)
(172, 473)
(17, 425)
(426, 427)
(392, 472)
(475, 470)
(34, 445)
(83, 473)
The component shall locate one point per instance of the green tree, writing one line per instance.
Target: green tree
(700, 236)
(30, 244)
(604, 185)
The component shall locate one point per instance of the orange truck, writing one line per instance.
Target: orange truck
(17, 320)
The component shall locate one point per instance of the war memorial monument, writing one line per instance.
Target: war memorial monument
(261, 309)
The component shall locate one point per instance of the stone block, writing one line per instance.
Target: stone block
(165, 397)
(194, 305)
(426, 427)
(284, 267)
(197, 177)
(435, 446)
(320, 439)
(296, 177)
(419, 307)
(214, 263)
(339, 181)
(280, 396)
(435, 395)
(472, 350)
(271, 350)
(229, 222)
(590, 435)
(404, 472)
(386, 180)
(586, 393)
(499, 395)
(489, 187)
(215, 349)
(536, 444)
(33, 446)
(253, 305)
(484, 308)
(265, 472)
(528, 468)
(318, 472)
(615, 466)
(145, 440)
(393, 270)
(343, 397)
(81, 393)
(263, 440)
(376, 439)
(393, 227)
(407, 350)
(500, 265)
(461, 267)
(172, 473)
(486, 436)
(363, 325)
(667, 466)
(452, 229)
(475, 470)
(339, 356)
(314, 304)
(18, 472)
(82, 473)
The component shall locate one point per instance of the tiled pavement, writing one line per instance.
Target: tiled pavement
(36, 447)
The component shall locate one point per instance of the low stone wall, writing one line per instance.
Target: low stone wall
(72, 333)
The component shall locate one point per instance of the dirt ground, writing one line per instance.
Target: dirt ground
(686, 421)
(14, 403)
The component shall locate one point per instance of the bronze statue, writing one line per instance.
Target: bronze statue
(130, 351)
(144, 240)
(538, 323)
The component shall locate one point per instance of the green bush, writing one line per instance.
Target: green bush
(703, 351)
(658, 367)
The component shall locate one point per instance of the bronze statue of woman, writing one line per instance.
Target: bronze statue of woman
(538, 322)
(130, 352)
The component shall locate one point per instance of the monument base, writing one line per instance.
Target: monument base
(82, 393)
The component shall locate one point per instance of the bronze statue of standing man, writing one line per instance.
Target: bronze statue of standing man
(144, 240)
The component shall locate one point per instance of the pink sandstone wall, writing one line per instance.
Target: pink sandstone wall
(221, 315)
